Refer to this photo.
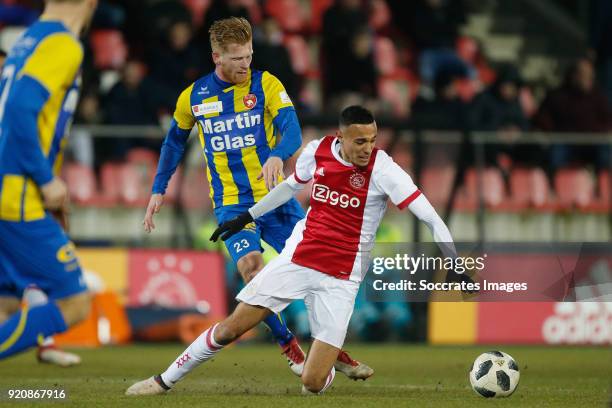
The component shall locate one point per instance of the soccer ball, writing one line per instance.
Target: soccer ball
(494, 374)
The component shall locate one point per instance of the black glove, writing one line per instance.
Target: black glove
(232, 226)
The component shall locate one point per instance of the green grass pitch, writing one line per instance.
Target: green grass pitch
(257, 376)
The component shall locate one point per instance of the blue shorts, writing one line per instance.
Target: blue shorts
(274, 227)
(39, 253)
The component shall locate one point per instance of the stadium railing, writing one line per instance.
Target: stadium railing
(477, 199)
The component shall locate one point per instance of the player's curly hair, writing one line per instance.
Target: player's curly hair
(233, 30)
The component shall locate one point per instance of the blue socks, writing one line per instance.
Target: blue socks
(27, 327)
(279, 329)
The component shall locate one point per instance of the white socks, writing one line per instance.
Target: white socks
(202, 349)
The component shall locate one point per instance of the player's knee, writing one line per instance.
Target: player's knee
(225, 333)
(312, 382)
(75, 308)
(249, 265)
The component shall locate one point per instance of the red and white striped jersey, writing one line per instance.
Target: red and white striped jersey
(346, 206)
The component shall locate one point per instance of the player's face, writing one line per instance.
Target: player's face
(234, 62)
(358, 143)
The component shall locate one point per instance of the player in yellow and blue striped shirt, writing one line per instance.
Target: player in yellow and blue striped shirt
(38, 95)
(247, 127)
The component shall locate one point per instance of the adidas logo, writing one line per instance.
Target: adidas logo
(320, 172)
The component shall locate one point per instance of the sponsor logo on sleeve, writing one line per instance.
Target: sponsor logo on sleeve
(208, 108)
(284, 97)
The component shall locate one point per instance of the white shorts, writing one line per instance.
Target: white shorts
(329, 300)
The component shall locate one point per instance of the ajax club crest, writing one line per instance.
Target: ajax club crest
(357, 180)
(249, 100)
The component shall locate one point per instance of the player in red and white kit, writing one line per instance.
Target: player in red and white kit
(327, 255)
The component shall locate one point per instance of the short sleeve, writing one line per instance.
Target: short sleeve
(55, 62)
(306, 163)
(183, 116)
(275, 94)
(392, 180)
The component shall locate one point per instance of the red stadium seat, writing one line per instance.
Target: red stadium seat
(288, 13)
(141, 155)
(299, 53)
(81, 182)
(195, 194)
(173, 186)
(380, 15)
(574, 187)
(385, 56)
(529, 188)
(134, 185)
(493, 189)
(604, 187)
(436, 183)
(109, 183)
(109, 49)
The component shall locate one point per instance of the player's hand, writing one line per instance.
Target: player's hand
(61, 216)
(55, 194)
(155, 204)
(231, 227)
(272, 172)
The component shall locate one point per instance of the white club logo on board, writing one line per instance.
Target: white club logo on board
(357, 180)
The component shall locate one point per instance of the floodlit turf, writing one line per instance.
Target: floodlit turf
(256, 375)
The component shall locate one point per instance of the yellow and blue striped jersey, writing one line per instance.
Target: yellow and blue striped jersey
(39, 90)
(236, 131)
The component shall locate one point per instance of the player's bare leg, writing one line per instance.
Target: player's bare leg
(211, 341)
(248, 266)
(319, 371)
(75, 308)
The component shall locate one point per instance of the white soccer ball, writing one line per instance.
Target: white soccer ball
(494, 374)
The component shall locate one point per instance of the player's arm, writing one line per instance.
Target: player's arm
(52, 67)
(171, 154)
(304, 170)
(402, 191)
(286, 122)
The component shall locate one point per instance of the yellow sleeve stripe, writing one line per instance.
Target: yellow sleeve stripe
(55, 61)
(183, 115)
(274, 93)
